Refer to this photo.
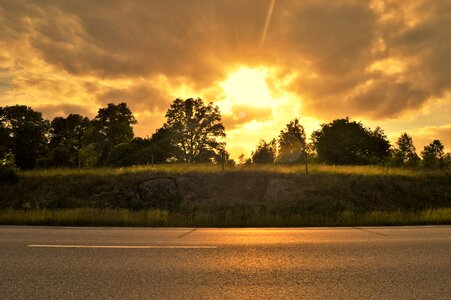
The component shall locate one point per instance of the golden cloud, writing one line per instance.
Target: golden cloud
(367, 59)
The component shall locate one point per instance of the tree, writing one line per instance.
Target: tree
(24, 134)
(112, 126)
(447, 161)
(265, 152)
(162, 147)
(68, 135)
(343, 142)
(89, 156)
(123, 155)
(195, 129)
(405, 153)
(433, 155)
(243, 160)
(4, 141)
(292, 144)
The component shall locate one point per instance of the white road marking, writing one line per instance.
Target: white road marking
(122, 247)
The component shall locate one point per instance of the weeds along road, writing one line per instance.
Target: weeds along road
(142, 263)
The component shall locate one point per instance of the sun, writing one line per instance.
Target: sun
(247, 86)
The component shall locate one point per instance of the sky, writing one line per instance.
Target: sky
(263, 62)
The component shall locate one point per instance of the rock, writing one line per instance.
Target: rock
(158, 193)
(188, 188)
(279, 190)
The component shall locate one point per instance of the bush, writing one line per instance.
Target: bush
(7, 174)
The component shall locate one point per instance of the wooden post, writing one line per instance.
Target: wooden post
(222, 161)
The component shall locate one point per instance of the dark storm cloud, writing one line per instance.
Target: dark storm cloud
(332, 45)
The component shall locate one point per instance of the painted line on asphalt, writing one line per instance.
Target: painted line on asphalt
(122, 247)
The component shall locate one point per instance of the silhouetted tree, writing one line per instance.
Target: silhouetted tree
(4, 142)
(265, 152)
(24, 134)
(112, 126)
(292, 144)
(162, 146)
(195, 129)
(405, 153)
(433, 155)
(89, 156)
(123, 155)
(67, 137)
(447, 161)
(343, 142)
(243, 160)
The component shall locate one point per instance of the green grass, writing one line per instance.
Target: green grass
(212, 168)
(328, 196)
(123, 217)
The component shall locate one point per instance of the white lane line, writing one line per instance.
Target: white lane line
(122, 247)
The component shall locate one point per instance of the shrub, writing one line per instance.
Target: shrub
(7, 174)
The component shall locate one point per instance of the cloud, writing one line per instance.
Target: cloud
(424, 136)
(374, 60)
(242, 114)
(139, 96)
(63, 110)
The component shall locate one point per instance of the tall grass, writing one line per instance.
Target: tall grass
(212, 168)
(123, 217)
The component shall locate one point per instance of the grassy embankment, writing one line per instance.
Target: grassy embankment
(254, 196)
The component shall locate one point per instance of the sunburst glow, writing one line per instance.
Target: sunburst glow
(247, 86)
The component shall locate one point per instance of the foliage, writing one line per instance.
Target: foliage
(433, 155)
(7, 174)
(257, 218)
(5, 141)
(335, 193)
(292, 143)
(343, 142)
(243, 160)
(23, 134)
(122, 155)
(89, 156)
(265, 153)
(405, 153)
(195, 129)
(112, 126)
(162, 146)
(67, 137)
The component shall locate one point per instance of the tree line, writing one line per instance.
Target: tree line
(345, 142)
(193, 133)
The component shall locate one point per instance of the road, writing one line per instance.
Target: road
(181, 263)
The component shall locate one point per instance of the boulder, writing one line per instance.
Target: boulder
(279, 190)
(158, 193)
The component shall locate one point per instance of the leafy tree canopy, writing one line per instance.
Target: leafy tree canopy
(24, 134)
(343, 142)
(112, 126)
(68, 136)
(292, 143)
(405, 153)
(265, 152)
(195, 129)
(433, 155)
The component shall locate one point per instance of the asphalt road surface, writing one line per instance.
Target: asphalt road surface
(181, 263)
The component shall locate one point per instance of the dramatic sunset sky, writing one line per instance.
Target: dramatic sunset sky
(264, 62)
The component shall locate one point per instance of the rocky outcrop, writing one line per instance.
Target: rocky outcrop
(159, 193)
(279, 190)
